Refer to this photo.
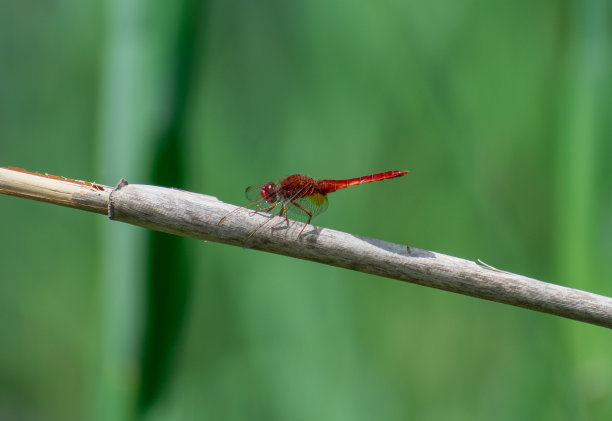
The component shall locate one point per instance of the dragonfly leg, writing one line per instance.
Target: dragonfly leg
(297, 205)
(283, 212)
(269, 208)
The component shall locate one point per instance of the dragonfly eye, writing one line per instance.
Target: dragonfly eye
(269, 193)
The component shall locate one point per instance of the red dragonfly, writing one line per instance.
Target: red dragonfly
(302, 197)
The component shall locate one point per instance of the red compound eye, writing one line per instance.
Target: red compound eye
(269, 192)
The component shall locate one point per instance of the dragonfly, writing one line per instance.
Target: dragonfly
(301, 197)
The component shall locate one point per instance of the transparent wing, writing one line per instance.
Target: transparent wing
(257, 202)
(253, 192)
(298, 208)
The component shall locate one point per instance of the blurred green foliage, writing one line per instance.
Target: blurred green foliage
(500, 110)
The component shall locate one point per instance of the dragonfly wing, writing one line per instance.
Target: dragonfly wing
(253, 193)
(315, 204)
(257, 201)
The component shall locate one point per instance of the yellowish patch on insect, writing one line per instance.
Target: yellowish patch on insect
(317, 199)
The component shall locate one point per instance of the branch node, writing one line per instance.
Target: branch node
(111, 208)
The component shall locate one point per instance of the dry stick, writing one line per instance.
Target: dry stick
(197, 216)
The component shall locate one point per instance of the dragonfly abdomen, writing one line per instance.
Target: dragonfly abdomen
(330, 186)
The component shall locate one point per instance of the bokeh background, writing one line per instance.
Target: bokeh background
(500, 110)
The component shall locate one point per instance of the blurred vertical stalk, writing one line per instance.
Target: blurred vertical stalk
(137, 80)
(581, 138)
(123, 137)
(585, 87)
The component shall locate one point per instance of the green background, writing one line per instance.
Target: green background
(500, 110)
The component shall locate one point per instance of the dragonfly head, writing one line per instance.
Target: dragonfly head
(269, 192)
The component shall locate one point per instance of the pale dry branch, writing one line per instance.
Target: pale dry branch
(197, 216)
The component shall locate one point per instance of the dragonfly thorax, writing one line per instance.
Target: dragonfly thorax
(269, 192)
